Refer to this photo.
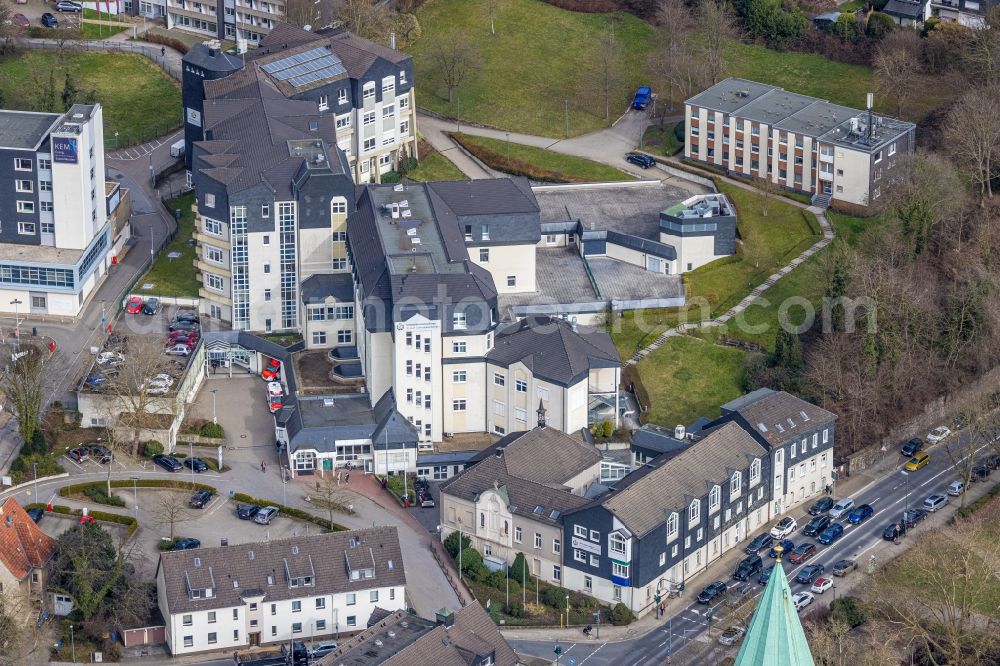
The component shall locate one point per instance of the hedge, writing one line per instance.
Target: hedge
(97, 515)
(243, 498)
(82, 488)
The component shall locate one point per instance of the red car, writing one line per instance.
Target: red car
(802, 553)
(275, 403)
(180, 335)
(270, 373)
(21, 21)
(134, 305)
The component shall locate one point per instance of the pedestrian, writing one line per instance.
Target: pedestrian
(163, 51)
(338, 478)
(263, 467)
(347, 479)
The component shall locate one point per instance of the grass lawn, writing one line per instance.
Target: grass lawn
(661, 140)
(175, 277)
(539, 57)
(98, 31)
(148, 107)
(538, 163)
(688, 377)
(435, 166)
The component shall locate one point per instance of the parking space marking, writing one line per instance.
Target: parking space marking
(225, 500)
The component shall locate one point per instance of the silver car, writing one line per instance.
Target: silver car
(265, 515)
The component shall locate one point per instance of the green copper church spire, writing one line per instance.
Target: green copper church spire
(775, 636)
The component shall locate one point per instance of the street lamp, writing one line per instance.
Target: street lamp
(191, 458)
(567, 610)
(214, 419)
(34, 467)
(116, 139)
(508, 148)
(72, 641)
(135, 498)
(17, 323)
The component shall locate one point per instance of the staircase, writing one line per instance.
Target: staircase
(821, 201)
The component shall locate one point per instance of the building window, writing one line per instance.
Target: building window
(186, 620)
(388, 110)
(25, 206)
(619, 570)
(296, 627)
(672, 522)
(556, 572)
(24, 186)
(265, 210)
(579, 555)
(459, 321)
(213, 282)
(616, 544)
(714, 499)
(517, 535)
(189, 641)
(21, 164)
(373, 596)
(319, 337)
(458, 376)
(213, 227)
(458, 347)
(498, 379)
(538, 540)
(351, 599)
(342, 96)
(213, 638)
(735, 484)
(511, 281)
(345, 337)
(368, 92)
(694, 512)
(211, 617)
(352, 620)
(755, 471)
(46, 207)
(458, 405)
(484, 254)
(404, 126)
(323, 102)
(26, 228)
(368, 147)
(556, 546)
(521, 386)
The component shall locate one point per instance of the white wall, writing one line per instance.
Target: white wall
(851, 187)
(509, 260)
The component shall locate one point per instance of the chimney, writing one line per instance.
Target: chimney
(679, 432)
(499, 452)
(445, 617)
(392, 41)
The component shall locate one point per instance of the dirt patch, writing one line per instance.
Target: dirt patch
(470, 441)
(313, 370)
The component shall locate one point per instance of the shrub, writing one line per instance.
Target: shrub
(23, 467)
(679, 131)
(38, 445)
(472, 564)
(213, 430)
(496, 579)
(519, 570)
(451, 543)
(848, 610)
(607, 428)
(390, 177)
(621, 615)
(555, 597)
(515, 609)
(152, 448)
(98, 494)
(514, 586)
(175, 44)
(290, 512)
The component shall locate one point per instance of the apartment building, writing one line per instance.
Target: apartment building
(55, 239)
(304, 587)
(367, 88)
(970, 13)
(512, 498)
(798, 437)
(834, 153)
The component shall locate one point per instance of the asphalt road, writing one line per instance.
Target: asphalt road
(889, 495)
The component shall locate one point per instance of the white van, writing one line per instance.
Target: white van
(177, 149)
(956, 488)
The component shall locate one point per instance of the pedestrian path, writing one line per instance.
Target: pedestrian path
(144, 150)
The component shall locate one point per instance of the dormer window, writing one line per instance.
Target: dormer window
(714, 498)
(694, 512)
(735, 484)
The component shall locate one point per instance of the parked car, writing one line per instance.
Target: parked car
(844, 567)
(815, 526)
(979, 473)
(271, 370)
(810, 573)
(110, 358)
(784, 527)
(912, 447)
(918, 461)
(49, 20)
(79, 454)
(748, 566)
(802, 599)
(893, 531)
(787, 546)
(100, 453)
(275, 388)
(186, 315)
(246, 511)
(161, 389)
(21, 21)
(168, 463)
(186, 544)
(737, 594)
(183, 325)
(842, 507)
(831, 534)
(200, 499)
(759, 543)
(993, 462)
(96, 379)
(36, 514)
(68, 6)
(765, 575)
(861, 514)
(320, 649)
(641, 160)
(956, 488)
(712, 591)
(264, 516)
(162, 379)
(275, 403)
(802, 553)
(732, 634)
(821, 506)
(427, 502)
(152, 306)
(197, 464)
(177, 350)
(134, 305)
(913, 516)
(938, 434)
(642, 97)
(935, 502)
(821, 585)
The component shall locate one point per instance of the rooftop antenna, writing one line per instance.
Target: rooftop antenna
(870, 100)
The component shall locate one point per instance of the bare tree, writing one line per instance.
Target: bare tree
(768, 190)
(330, 496)
(607, 69)
(170, 509)
(973, 137)
(679, 59)
(897, 67)
(982, 51)
(454, 59)
(130, 391)
(11, 634)
(717, 28)
(25, 384)
(10, 34)
(366, 18)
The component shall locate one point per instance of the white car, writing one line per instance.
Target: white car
(275, 389)
(784, 527)
(177, 350)
(158, 390)
(821, 585)
(842, 507)
(110, 358)
(802, 599)
(938, 434)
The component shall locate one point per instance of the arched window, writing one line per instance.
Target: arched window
(755, 471)
(672, 526)
(694, 512)
(482, 520)
(714, 498)
(506, 528)
(735, 484)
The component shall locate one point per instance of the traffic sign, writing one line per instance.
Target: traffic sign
(558, 649)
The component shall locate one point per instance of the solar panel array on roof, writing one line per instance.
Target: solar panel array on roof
(307, 67)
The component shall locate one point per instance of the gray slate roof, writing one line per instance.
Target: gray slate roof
(24, 130)
(320, 422)
(553, 350)
(646, 502)
(233, 573)
(905, 9)
(777, 416)
(660, 440)
(543, 455)
(317, 288)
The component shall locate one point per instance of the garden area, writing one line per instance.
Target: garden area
(513, 597)
(148, 107)
(176, 277)
(432, 165)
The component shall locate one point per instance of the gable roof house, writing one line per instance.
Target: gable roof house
(24, 551)
(272, 592)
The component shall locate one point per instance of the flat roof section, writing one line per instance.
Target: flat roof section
(24, 130)
(411, 240)
(818, 119)
(730, 94)
(620, 281)
(775, 106)
(560, 279)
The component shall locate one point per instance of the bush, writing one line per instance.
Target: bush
(679, 132)
(23, 467)
(175, 44)
(496, 579)
(98, 494)
(519, 569)
(152, 448)
(390, 177)
(848, 610)
(289, 511)
(38, 445)
(607, 428)
(621, 615)
(515, 609)
(451, 543)
(213, 430)
(555, 597)
(472, 564)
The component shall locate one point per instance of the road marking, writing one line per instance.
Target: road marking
(592, 653)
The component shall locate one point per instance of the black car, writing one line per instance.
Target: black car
(759, 543)
(913, 516)
(979, 473)
(49, 20)
(200, 499)
(36, 514)
(893, 532)
(185, 544)
(184, 325)
(911, 447)
(765, 575)
(186, 315)
(168, 463)
(821, 506)
(100, 453)
(748, 566)
(197, 464)
(816, 525)
(640, 160)
(712, 592)
(993, 462)
(810, 573)
(246, 511)
(151, 306)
